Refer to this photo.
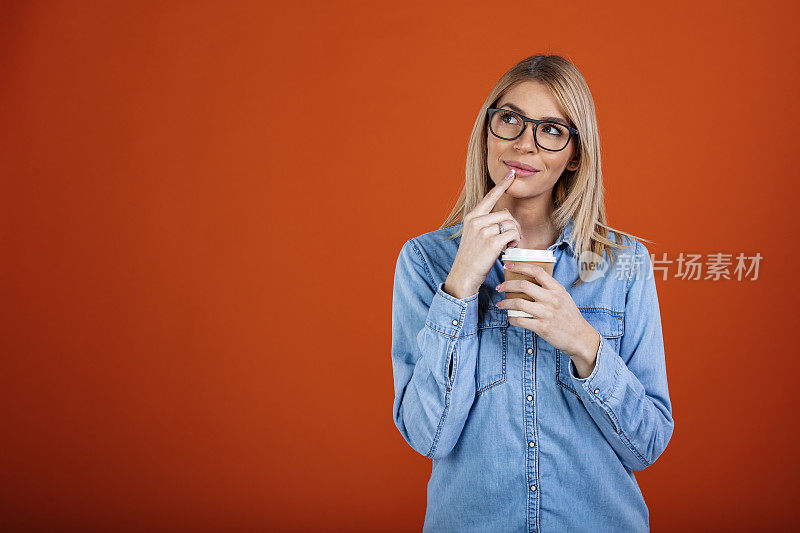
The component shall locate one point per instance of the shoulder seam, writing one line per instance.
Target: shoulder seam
(633, 267)
(424, 263)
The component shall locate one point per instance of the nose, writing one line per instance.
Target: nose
(526, 140)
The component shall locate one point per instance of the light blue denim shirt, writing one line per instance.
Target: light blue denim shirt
(517, 441)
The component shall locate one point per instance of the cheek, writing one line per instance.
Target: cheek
(491, 147)
(551, 182)
(556, 161)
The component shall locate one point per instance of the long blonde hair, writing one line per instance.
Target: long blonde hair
(578, 194)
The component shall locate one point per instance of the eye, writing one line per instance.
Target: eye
(553, 129)
(509, 118)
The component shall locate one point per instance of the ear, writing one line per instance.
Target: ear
(574, 163)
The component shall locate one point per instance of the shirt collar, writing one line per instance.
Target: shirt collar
(565, 237)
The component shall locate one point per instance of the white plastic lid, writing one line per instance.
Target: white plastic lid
(517, 254)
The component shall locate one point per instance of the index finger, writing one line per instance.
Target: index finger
(484, 207)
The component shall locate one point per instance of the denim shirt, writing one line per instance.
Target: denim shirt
(517, 441)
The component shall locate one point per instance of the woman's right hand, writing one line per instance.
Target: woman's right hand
(482, 242)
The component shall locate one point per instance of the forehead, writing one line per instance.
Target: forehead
(534, 98)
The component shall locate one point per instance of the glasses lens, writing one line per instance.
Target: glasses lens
(506, 124)
(552, 135)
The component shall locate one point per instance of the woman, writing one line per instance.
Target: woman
(532, 423)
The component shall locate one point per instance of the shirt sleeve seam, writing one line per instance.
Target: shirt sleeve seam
(630, 444)
(616, 420)
(435, 442)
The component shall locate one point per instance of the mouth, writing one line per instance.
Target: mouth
(521, 169)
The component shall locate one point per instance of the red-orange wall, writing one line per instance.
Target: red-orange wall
(202, 204)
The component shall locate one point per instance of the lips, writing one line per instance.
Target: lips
(521, 166)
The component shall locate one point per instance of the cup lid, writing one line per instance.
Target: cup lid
(517, 254)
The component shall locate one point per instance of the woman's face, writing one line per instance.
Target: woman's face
(533, 100)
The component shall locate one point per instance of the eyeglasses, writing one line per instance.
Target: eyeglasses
(548, 135)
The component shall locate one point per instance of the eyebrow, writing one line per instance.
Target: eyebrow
(521, 112)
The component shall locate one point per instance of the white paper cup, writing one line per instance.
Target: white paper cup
(544, 258)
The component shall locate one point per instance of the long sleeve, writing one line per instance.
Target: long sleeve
(434, 356)
(626, 393)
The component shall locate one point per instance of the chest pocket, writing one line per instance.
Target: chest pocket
(609, 324)
(492, 348)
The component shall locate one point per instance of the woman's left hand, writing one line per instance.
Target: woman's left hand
(558, 320)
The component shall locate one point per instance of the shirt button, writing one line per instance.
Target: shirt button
(455, 322)
(530, 398)
(531, 444)
(530, 350)
(533, 487)
(597, 391)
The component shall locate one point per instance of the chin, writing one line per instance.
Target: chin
(525, 192)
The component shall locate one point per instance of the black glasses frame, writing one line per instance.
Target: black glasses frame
(573, 132)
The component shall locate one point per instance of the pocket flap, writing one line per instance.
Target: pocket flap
(607, 323)
(492, 317)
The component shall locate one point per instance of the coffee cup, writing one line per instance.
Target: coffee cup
(544, 258)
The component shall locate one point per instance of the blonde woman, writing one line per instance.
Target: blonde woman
(532, 424)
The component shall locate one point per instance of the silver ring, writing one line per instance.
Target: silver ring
(501, 227)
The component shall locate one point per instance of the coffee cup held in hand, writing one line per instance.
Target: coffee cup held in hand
(544, 258)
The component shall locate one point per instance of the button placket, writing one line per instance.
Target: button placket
(529, 384)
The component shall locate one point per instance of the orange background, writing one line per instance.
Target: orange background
(203, 203)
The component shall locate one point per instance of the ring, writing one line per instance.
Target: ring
(501, 227)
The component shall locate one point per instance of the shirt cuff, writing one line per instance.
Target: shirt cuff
(453, 316)
(603, 380)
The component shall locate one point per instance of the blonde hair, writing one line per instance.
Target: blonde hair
(578, 194)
